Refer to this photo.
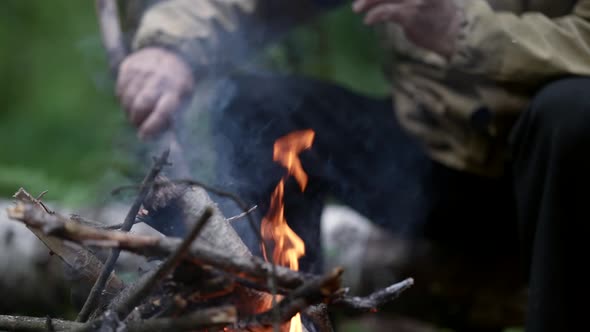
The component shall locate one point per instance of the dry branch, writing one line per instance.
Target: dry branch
(125, 307)
(76, 258)
(303, 291)
(311, 292)
(110, 30)
(247, 267)
(94, 296)
(218, 234)
(24, 323)
(320, 316)
(204, 318)
(375, 300)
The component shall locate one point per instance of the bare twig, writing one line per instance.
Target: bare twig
(246, 209)
(24, 323)
(125, 307)
(375, 300)
(77, 258)
(271, 280)
(200, 319)
(319, 315)
(272, 273)
(110, 30)
(100, 225)
(248, 267)
(211, 317)
(243, 214)
(311, 292)
(94, 296)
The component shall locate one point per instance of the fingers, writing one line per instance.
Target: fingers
(144, 102)
(150, 85)
(363, 5)
(125, 76)
(134, 86)
(160, 118)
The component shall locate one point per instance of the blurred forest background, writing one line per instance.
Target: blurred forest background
(60, 125)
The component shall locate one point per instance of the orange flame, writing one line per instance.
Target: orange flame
(288, 246)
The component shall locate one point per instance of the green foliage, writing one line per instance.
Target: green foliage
(58, 115)
(336, 47)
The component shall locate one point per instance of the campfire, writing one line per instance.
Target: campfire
(207, 281)
(288, 246)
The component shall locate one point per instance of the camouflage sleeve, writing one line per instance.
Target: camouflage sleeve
(528, 49)
(211, 34)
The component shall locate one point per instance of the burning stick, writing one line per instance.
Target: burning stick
(311, 292)
(124, 307)
(308, 290)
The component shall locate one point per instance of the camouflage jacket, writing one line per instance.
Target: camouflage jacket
(460, 108)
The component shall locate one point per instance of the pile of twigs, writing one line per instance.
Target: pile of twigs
(208, 280)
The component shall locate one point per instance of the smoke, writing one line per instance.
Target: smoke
(361, 157)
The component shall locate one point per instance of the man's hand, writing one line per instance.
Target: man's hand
(151, 85)
(431, 24)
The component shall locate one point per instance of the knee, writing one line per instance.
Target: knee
(561, 110)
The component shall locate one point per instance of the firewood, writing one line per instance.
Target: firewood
(305, 290)
(95, 294)
(211, 317)
(249, 267)
(76, 257)
(311, 292)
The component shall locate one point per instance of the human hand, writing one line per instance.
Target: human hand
(151, 85)
(431, 24)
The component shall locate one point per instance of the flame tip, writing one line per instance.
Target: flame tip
(288, 246)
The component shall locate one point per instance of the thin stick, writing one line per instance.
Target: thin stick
(24, 323)
(146, 186)
(311, 292)
(246, 209)
(375, 300)
(125, 307)
(251, 268)
(320, 317)
(111, 33)
(243, 214)
(96, 224)
(71, 255)
(211, 317)
(272, 282)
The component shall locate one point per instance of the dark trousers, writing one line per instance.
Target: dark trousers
(361, 157)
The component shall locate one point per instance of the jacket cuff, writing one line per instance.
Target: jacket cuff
(475, 51)
(191, 51)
